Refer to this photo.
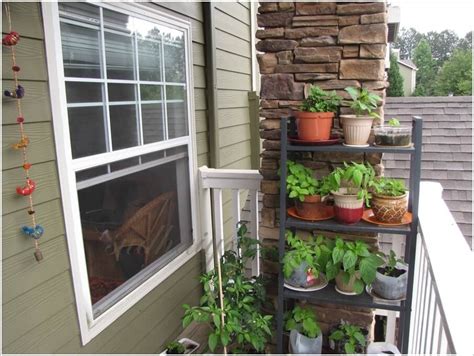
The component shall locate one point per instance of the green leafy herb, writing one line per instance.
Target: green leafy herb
(363, 102)
(319, 100)
(394, 122)
(391, 263)
(175, 347)
(389, 186)
(351, 336)
(354, 259)
(304, 321)
(245, 324)
(300, 182)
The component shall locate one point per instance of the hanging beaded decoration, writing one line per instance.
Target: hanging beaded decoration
(35, 231)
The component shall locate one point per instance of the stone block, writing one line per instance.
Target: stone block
(267, 62)
(375, 85)
(280, 86)
(269, 173)
(374, 18)
(314, 76)
(286, 6)
(349, 20)
(271, 201)
(373, 51)
(320, 41)
(350, 51)
(269, 164)
(275, 45)
(272, 145)
(303, 21)
(269, 233)
(270, 124)
(317, 55)
(304, 68)
(292, 104)
(274, 113)
(375, 33)
(270, 135)
(275, 19)
(360, 8)
(268, 7)
(361, 69)
(313, 8)
(337, 84)
(297, 33)
(270, 186)
(269, 104)
(276, 32)
(285, 57)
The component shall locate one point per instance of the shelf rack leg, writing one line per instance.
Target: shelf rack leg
(410, 246)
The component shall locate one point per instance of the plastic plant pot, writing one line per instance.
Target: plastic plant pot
(300, 344)
(399, 136)
(392, 288)
(314, 126)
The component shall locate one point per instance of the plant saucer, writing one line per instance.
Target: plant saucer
(327, 214)
(309, 289)
(345, 293)
(371, 292)
(347, 145)
(370, 217)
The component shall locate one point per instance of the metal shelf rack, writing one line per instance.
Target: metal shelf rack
(328, 294)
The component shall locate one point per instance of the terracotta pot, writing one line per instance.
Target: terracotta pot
(311, 207)
(356, 129)
(347, 207)
(346, 287)
(389, 209)
(314, 126)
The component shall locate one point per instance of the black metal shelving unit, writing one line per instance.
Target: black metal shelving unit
(328, 294)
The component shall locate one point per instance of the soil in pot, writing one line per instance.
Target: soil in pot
(311, 207)
(395, 272)
(389, 209)
(391, 287)
(392, 136)
(314, 126)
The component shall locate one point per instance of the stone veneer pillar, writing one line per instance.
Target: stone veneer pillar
(332, 45)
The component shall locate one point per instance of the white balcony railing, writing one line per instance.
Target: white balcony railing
(443, 288)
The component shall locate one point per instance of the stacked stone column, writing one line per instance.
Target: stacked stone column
(330, 44)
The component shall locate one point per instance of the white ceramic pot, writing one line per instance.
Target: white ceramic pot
(300, 344)
(343, 199)
(356, 129)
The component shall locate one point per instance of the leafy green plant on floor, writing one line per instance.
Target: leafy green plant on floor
(304, 321)
(245, 326)
(351, 337)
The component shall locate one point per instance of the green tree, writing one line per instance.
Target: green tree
(425, 76)
(466, 42)
(455, 77)
(407, 41)
(442, 45)
(394, 78)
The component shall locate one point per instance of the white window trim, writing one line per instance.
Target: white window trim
(89, 326)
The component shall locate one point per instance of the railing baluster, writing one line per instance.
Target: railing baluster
(436, 326)
(218, 221)
(254, 228)
(429, 316)
(422, 292)
(236, 209)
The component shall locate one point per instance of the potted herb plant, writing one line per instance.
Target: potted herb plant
(348, 339)
(182, 346)
(357, 127)
(246, 328)
(391, 278)
(350, 187)
(314, 121)
(393, 134)
(352, 265)
(303, 263)
(307, 191)
(389, 200)
(305, 333)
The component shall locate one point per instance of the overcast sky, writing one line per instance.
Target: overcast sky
(437, 15)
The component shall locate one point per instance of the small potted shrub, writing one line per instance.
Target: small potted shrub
(302, 264)
(314, 121)
(391, 278)
(392, 134)
(350, 187)
(357, 127)
(307, 191)
(389, 200)
(352, 265)
(305, 333)
(182, 346)
(348, 339)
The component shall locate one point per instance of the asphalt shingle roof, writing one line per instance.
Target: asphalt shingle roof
(447, 149)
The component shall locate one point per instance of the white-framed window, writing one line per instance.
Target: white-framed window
(122, 103)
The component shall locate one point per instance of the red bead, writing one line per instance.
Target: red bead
(16, 68)
(27, 166)
(20, 119)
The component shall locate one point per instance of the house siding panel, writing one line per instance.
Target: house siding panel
(39, 312)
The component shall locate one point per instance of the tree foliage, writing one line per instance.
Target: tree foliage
(425, 76)
(466, 42)
(455, 77)
(407, 41)
(442, 45)
(394, 78)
